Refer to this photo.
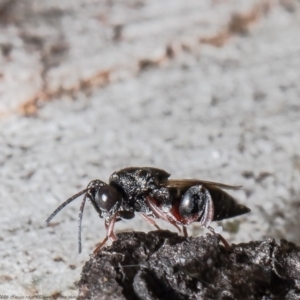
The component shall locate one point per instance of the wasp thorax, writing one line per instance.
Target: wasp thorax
(107, 196)
(192, 202)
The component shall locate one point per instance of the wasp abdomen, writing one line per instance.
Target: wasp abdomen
(225, 206)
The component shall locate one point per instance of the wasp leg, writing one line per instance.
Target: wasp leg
(160, 214)
(100, 245)
(151, 221)
(224, 242)
(109, 234)
(185, 233)
(112, 237)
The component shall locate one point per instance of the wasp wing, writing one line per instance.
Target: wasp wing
(186, 183)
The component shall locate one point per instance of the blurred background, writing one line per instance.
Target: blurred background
(202, 89)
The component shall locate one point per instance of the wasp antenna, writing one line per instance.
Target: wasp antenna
(80, 222)
(63, 205)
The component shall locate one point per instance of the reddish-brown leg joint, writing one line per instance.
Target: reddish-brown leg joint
(112, 237)
(185, 233)
(150, 221)
(160, 214)
(224, 242)
(109, 234)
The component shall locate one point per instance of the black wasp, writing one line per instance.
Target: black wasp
(150, 192)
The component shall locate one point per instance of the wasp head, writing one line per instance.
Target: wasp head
(106, 200)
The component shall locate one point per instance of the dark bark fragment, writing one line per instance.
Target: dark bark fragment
(164, 265)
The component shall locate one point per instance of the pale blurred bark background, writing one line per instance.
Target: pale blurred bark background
(202, 89)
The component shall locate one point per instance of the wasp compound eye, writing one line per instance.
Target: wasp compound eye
(106, 197)
(196, 205)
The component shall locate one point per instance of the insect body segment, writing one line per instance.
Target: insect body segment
(149, 191)
(196, 205)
